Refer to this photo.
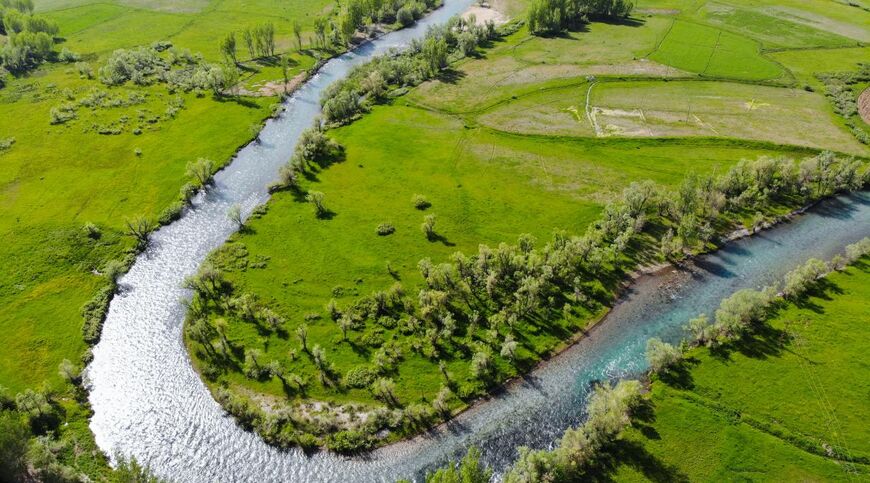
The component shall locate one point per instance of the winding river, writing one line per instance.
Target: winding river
(149, 403)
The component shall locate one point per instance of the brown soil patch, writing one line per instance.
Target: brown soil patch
(864, 105)
(275, 88)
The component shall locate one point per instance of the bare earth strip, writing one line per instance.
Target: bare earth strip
(864, 105)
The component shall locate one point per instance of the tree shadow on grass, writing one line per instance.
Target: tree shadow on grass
(242, 101)
(437, 237)
(679, 375)
(634, 455)
(451, 75)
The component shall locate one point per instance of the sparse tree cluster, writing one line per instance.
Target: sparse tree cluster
(30, 38)
(179, 69)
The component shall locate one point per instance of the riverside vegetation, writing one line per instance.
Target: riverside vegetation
(113, 116)
(733, 403)
(395, 319)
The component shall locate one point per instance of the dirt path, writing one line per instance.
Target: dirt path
(864, 105)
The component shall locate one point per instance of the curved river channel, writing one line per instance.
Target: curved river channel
(149, 403)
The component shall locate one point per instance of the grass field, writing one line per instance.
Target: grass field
(677, 108)
(737, 414)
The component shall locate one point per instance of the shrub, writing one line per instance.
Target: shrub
(359, 377)
(348, 441)
(171, 213)
(661, 355)
(420, 202)
(67, 56)
(428, 227)
(6, 144)
(316, 199)
(405, 16)
(62, 113)
(385, 229)
(201, 170)
(92, 230)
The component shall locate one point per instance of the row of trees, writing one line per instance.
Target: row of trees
(424, 59)
(553, 16)
(259, 41)
(738, 314)
(840, 88)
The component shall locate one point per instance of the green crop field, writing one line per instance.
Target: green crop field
(745, 412)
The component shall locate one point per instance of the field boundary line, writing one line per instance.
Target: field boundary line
(589, 114)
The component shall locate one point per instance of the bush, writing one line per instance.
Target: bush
(420, 202)
(661, 355)
(385, 229)
(92, 230)
(359, 377)
(6, 144)
(405, 17)
(62, 113)
(67, 56)
(428, 227)
(348, 441)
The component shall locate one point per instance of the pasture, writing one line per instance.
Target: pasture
(751, 409)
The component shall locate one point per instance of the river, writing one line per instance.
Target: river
(149, 403)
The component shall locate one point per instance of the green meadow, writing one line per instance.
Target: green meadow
(787, 404)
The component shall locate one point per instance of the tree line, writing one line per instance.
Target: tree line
(554, 16)
(424, 59)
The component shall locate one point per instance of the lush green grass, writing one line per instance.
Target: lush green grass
(56, 178)
(737, 413)
(92, 27)
(714, 53)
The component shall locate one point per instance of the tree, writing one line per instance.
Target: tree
(509, 348)
(235, 215)
(469, 470)
(481, 364)
(248, 36)
(33, 403)
(428, 227)
(201, 170)
(228, 48)
(14, 439)
(68, 371)
(297, 32)
(139, 228)
(302, 334)
(661, 355)
(316, 198)
(385, 389)
(345, 322)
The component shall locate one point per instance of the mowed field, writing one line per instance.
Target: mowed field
(123, 155)
(748, 411)
(677, 109)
